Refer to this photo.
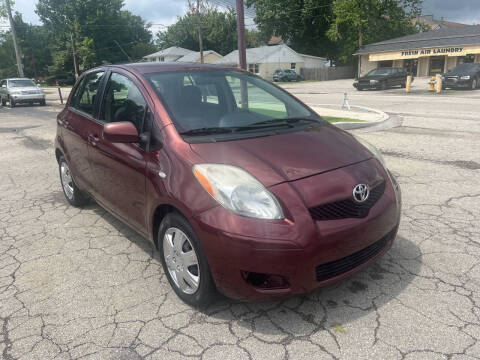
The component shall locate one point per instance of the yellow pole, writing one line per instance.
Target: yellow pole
(431, 84)
(439, 83)
(409, 83)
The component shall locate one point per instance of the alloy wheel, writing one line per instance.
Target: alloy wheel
(181, 260)
(67, 181)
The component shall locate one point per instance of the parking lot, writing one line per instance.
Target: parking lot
(80, 284)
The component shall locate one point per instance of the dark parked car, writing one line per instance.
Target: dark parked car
(287, 75)
(463, 76)
(247, 192)
(382, 78)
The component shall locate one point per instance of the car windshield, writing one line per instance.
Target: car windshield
(21, 83)
(381, 72)
(466, 67)
(206, 102)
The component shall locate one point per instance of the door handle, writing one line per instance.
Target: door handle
(93, 139)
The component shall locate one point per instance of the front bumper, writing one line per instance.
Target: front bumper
(295, 248)
(24, 98)
(457, 83)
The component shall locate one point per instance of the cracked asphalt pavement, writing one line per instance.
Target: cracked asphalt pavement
(78, 284)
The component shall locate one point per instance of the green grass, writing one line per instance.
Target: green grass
(334, 119)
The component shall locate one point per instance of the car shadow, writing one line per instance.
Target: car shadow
(332, 307)
(328, 308)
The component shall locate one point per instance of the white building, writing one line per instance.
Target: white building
(168, 55)
(175, 53)
(209, 57)
(265, 60)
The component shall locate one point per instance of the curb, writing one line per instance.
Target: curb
(358, 125)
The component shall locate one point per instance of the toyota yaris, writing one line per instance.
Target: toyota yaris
(241, 187)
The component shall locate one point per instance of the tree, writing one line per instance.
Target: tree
(3, 10)
(302, 24)
(219, 32)
(94, 29)
(35, 43)
(360, 22)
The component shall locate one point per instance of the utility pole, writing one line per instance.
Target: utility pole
(14, 36)
(242, 52)
(74, 54)
(200, 39)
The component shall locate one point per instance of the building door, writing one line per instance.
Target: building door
(437, 64)
(411, 65)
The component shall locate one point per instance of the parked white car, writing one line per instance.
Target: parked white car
(20, 91)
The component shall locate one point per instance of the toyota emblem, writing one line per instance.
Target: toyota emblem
(361, 193)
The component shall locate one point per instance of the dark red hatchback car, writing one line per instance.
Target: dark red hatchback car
(241, 187)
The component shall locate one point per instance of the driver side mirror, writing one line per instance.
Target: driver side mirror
(121, 132)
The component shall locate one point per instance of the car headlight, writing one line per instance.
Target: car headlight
(238, 191)
(355, 81)
(15, 92)
(373, 81)
(372, 149)
(465, 77)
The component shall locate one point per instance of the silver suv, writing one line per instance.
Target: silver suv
(20, 91)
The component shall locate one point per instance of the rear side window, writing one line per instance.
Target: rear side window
(86, 93)
(123, 102)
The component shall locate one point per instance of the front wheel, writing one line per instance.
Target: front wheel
(184, 262)
(12, 103)
(72, 193)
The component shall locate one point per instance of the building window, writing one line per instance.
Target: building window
(466, 59)
(162, 59)
(388, 63)
(437, 65)
(253, 68)
(293, 66)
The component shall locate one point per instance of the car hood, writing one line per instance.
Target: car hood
(287, 157)
(26, 88)
(461, 72)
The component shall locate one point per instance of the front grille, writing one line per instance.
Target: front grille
(338, 267)
(347, 208)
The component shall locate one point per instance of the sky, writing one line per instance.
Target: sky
(165, 11)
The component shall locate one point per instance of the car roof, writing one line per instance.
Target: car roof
(155, 67)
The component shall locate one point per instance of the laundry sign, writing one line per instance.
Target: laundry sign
(435, 51)
(416, 53)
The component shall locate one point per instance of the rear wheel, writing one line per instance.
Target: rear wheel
(72, 193)
(184, 262)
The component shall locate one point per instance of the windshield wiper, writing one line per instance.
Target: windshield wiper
(285, 121)
(208, 131)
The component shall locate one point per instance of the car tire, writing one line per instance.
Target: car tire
(474, 84)
(198, 291)
(403, 85)
(43, 103)
(2, 101)
(383, 85)
(73, 194)
(11, 103)
(360, 88)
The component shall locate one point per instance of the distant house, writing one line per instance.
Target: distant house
(209, 57)
(265, 60)
(168, 55)
(176, 53)
(434, 24)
